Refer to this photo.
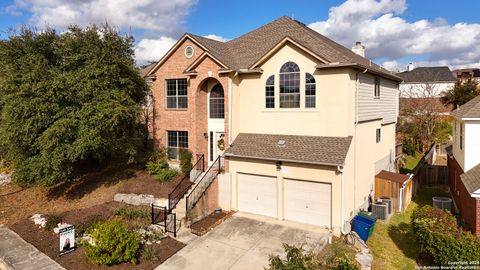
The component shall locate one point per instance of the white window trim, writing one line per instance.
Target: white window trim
(177, 95)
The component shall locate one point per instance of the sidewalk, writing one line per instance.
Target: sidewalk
(15, 254)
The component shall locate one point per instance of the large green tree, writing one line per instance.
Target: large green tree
(66, 99)
(462, 92)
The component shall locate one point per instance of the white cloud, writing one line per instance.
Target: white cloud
(152, 49)
(386, 35)
(154, 15)
(218, 38)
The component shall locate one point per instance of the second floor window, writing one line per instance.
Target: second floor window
(270, 92)
(290, 86)
(461, 135)
(177, 94)
(377, 87)
(378, 134)
(309, 91)
(216, 100)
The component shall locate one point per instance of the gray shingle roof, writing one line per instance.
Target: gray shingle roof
(428, 75)
(470, 109)
(246, 50)
(471, 179)
(302, 149)
(144, 71)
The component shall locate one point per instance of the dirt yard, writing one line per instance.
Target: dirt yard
(95, 188)
(47, 241)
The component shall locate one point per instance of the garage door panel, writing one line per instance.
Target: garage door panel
(257, 194)
(307, 202)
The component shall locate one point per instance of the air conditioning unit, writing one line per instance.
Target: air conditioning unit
(444, 203)
(388, 201)
(380, 210)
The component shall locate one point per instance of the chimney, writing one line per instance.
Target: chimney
(410, 66)
(359, 49)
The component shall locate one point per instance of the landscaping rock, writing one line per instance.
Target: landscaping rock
(151, 234)
(39, 220)
(365, 260)
(139, 199)
(5, 178)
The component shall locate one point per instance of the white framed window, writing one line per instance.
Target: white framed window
(378, 135)
(376, 91)
(461, 135)
(310, 91)
(189, 51)
(270, 92)
(176, 93)
(176, 140)
(290, 85)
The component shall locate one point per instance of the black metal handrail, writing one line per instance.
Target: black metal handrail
(202, 185)
(163, 212)
(181, 189)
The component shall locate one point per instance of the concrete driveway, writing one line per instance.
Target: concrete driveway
(243, 243)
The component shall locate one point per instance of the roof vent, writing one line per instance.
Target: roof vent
(281, 143)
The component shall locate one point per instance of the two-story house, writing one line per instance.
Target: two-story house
(464, 163)
(304, 123)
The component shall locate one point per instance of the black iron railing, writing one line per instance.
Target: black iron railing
(201, 187)
(184, 185)
(159, 215)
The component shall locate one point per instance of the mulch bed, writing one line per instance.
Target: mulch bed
(145, 183)
(206, 224)
(47, 241)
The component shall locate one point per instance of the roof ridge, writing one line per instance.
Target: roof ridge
(258, 29)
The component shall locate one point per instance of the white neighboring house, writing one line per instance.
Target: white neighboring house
(426, 82)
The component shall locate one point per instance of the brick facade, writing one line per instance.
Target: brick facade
(468, 207)
(194, 119)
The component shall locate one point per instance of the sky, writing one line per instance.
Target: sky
(394, 32)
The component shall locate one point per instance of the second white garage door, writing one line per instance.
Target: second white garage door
(257, 194)
(307, 202)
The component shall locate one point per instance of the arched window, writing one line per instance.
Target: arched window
(270, 92)
(290, 86)
(217, 109)
(309, 91)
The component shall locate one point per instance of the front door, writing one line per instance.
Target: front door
(216, 145)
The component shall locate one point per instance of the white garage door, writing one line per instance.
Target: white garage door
(257, 194)
(307, 202)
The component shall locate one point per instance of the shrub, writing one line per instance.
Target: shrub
(131, 213)
(157, 165)
(185, 160)
(166, 175)
(345, 263)
(52, 222)
(113, 244)
(149, 253)
(408, 147)
(296, 258)
(439, 236)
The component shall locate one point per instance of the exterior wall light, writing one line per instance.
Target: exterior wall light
(279, 165)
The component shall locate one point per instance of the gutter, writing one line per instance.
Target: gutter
(285, 160)
(342, 218)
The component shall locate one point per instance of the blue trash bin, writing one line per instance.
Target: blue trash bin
(363, 226)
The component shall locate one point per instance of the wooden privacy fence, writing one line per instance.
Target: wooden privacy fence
(428, 174)
(397, 187)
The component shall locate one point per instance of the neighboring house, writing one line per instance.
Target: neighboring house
(464, 163)
(306, 123)
(467, 73)
(425, 87)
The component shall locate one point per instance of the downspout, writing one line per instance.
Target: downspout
(230, 98)
(357, 79)
(342, 218)
(401, 198)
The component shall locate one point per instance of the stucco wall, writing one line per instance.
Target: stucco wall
(329, 118)
(315, 173)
